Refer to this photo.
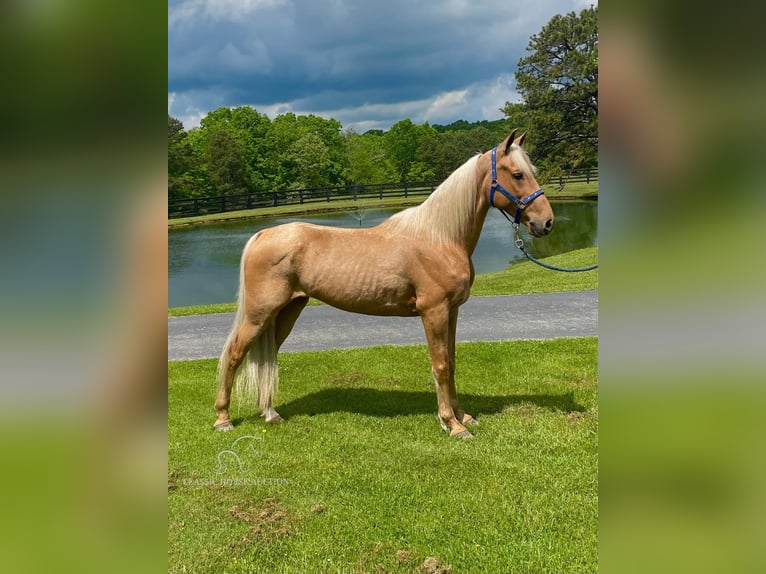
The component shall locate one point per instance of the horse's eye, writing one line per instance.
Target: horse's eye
(517, 175)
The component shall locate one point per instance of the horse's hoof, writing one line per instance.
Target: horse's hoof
(271, 416)
(463, 434)
(469, 420)
(223, 427)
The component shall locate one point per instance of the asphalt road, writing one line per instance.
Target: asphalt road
(513, 317)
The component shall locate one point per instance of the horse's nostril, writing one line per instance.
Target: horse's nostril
(549, 225)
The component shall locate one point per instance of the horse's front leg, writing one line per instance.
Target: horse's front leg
(460, 414)
(437, 327)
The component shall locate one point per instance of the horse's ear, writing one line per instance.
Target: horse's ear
(508, 142)
(520, 140)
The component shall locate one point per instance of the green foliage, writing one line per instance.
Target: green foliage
(182, 163)
(401, 143)
(225, 162)
(499, 126)
(558, 80)
(366, 160)
(239, 150)
(279, 164)
(311, 161)
(449, 150)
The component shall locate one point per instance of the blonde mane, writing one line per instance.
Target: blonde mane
(446, 214)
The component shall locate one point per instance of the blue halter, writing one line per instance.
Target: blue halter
(520, 203)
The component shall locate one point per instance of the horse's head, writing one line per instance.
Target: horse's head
(513, 187)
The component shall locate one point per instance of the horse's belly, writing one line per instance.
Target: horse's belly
(353, 282)
(383, 308)
(366, 295)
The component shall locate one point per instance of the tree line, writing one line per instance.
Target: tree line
(240, 150)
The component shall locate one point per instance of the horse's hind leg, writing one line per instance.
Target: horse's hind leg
(283, 324)
(233, 354)
(287, 317)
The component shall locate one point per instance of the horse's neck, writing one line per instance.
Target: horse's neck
(477, 224)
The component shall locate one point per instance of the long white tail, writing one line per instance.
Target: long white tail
(260, 374)
(257, 378)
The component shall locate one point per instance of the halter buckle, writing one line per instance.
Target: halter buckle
(518, 241)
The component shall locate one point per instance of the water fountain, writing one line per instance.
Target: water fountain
(357, 214)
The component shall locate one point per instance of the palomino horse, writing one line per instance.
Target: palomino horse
(416, 263)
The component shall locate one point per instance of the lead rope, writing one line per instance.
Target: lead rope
(519, 242)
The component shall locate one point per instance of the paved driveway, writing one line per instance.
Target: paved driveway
(540, 316)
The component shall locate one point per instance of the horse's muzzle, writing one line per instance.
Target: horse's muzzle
(540, 228)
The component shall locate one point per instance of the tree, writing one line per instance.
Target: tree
(179, 151)
(225, 163)
(248, 128)
(183, 180)
(312, 161)
(278, 160)
(452, 148)
(402, 143)
(366, 160)
(329, 132)
(558, 81)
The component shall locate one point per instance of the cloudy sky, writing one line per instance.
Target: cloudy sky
(365, 63)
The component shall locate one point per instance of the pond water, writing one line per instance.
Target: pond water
(203, 261)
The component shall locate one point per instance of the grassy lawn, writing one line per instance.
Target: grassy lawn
(525, 277)
(362, 479)
(528, 277)
(570, 191)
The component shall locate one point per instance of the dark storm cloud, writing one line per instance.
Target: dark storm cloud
(341, 54)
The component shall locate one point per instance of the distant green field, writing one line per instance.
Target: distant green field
(572, 190)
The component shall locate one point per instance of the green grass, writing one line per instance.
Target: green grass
(570, 191)
(528, 277)
(214, 308)
(525, 277)
(202, 309)
(362, 479)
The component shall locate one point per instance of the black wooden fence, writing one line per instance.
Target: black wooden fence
(576, 176)
(222, 203)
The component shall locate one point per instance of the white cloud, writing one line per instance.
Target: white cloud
(492, 95)
(446, 105)
(580, 5)
(184, 108)
(480, 101)
(364, 64)
(239, 8)
(188, 11)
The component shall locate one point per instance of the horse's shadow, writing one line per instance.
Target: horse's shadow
(393, 403)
